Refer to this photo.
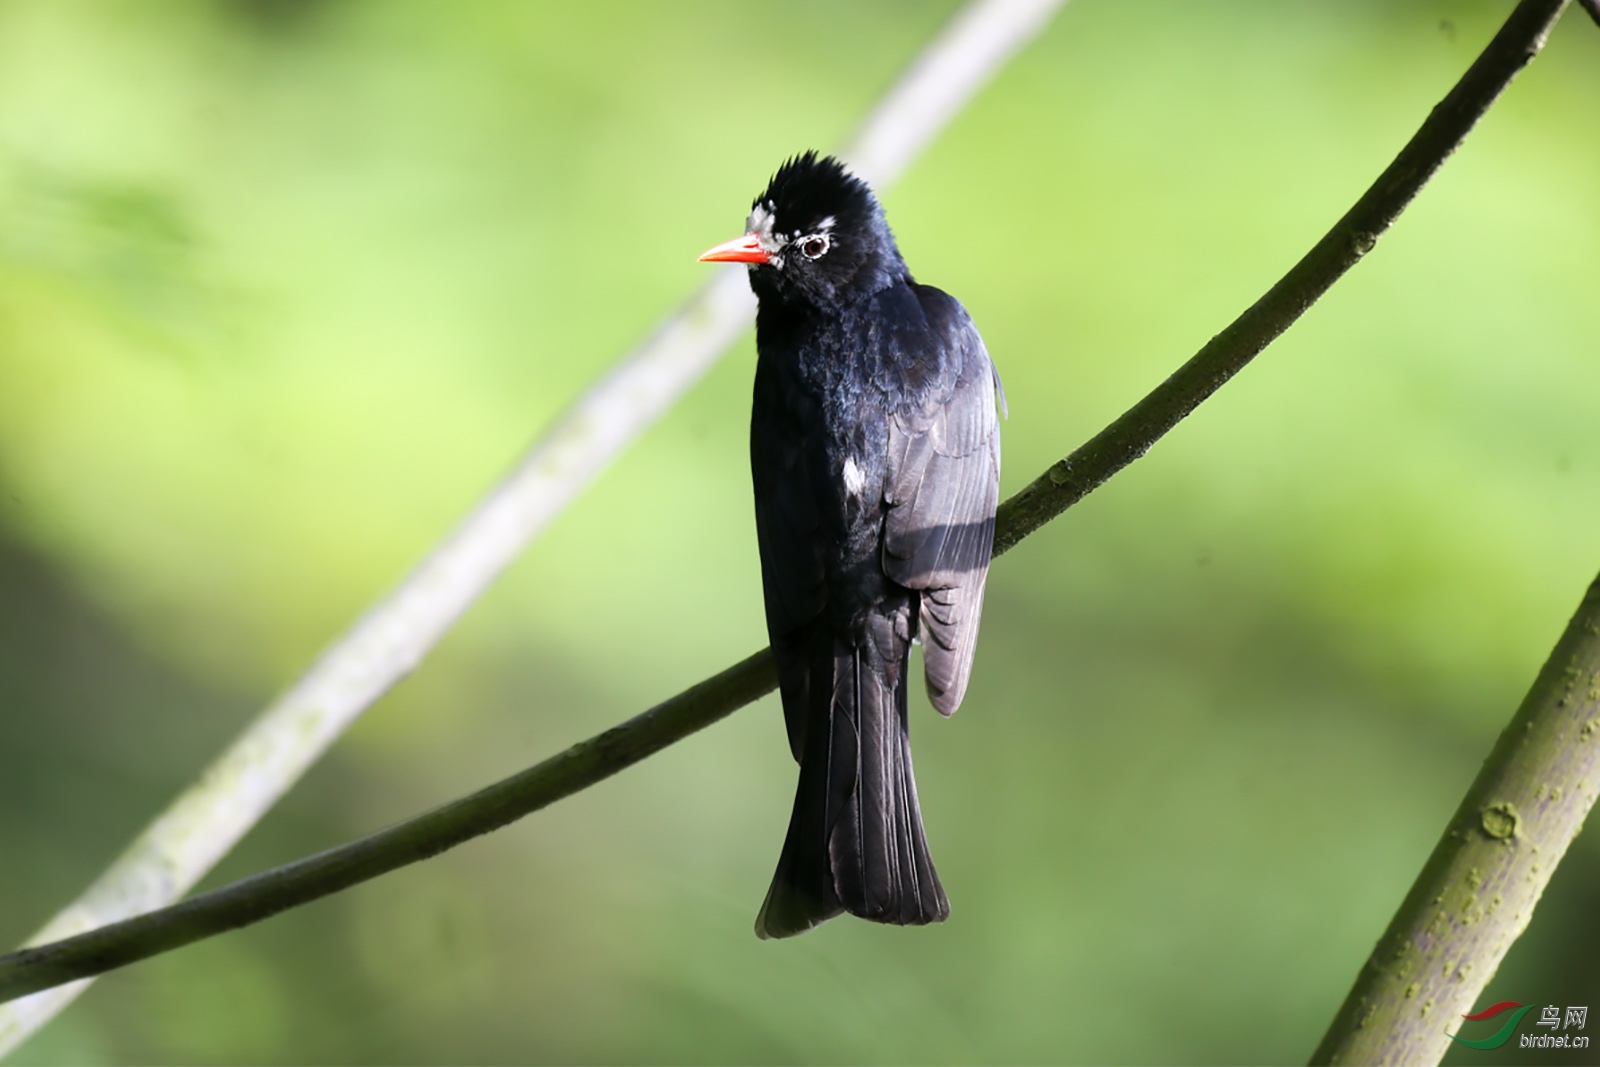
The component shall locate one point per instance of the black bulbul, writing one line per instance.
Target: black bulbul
(875, 451)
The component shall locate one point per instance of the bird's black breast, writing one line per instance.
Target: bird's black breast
(827, 385)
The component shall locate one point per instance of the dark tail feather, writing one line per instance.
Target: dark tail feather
(855, 839)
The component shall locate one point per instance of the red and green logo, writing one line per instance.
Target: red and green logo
(1500, 1036)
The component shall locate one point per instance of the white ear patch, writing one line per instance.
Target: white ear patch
(855, 479)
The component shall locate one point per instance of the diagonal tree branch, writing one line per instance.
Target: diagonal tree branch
(1478, 890)
(1064, 484)
(388, 642)
(1352, 237)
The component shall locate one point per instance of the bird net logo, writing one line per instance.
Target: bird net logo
(1551, 1016)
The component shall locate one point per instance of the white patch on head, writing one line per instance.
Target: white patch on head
(763, 218)
(855, 479)
(760, 219)
(827, 224)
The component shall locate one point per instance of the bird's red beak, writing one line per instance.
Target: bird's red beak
(746, 249)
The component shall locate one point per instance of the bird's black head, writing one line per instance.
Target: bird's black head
(815, 235)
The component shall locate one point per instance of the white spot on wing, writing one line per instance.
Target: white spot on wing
(855, 479)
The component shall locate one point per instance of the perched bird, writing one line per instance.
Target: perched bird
(875, 451)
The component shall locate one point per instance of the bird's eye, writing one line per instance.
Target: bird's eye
(814, 247)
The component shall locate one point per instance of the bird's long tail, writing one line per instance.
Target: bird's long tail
(855, 839)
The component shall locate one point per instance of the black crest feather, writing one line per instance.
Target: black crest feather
(809, 187)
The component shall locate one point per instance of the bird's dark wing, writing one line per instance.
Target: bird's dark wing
(788, 530)
(942, 487)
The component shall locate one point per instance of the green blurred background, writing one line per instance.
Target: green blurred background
(285, 284)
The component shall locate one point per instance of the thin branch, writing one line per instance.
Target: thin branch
(1352, 237)
(1478, 890)
(255, 898)
(590, 761)
(388, 642)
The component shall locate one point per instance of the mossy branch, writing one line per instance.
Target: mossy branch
(1058, 488)
(1478, 890)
